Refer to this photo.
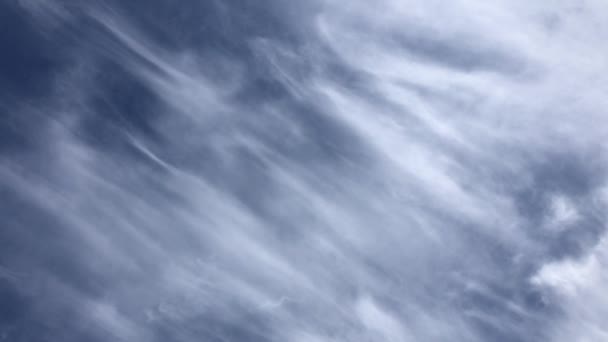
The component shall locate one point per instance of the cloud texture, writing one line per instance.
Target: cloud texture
(243, 170)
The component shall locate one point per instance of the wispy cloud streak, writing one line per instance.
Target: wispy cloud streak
(395, 171)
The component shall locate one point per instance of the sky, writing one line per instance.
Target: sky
(306, 171)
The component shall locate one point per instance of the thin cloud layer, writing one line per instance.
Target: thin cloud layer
(244, 171)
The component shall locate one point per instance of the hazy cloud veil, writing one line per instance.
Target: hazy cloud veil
(307, 171)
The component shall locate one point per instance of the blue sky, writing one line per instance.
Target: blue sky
(312, 171)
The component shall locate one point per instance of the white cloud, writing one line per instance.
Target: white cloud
(580, 285)
(312, 210)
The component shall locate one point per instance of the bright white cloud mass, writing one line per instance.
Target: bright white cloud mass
(239, 170)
